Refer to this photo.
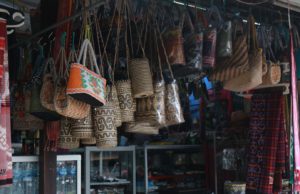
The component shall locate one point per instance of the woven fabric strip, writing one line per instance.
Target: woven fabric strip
(5, 129)
(268, 140)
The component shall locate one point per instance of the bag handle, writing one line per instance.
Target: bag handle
(86, 45)
(62, 58)
(50, 67)
(159, 60)
(165, 52)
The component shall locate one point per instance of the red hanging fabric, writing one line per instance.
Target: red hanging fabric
(5, 130)
(295, 115)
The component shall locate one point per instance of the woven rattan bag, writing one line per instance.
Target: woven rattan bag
(104, 122)
(253, 77)
(152, 109)
(64, 104)
(82, 128)
(141, 78)
(173, 109)
(126, 101)
(47, 90)
(66, 139)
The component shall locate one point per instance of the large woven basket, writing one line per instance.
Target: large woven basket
(174, 113)
(82, 128)
(126, 101)
(141, 78)
(68, 106)
(115, 101)
(105, 129)
(152, 109)
(66, 140)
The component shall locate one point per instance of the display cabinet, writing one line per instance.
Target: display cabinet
(110, 170)
(26, 175)
(170, 169)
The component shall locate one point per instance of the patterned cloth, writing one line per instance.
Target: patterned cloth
(5, 133)
(267, 147)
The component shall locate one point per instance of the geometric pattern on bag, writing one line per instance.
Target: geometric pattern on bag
(83, 128)
(105, 129)
(174, 112)
(66, 140)
(126, 101)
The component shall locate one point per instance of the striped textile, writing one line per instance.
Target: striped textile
(268, 143)
(234, 66)
(5, 131)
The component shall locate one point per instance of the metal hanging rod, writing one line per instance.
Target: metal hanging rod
(74, 16)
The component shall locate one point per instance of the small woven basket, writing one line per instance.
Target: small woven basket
(105, 129)
(141, 78)
(273, 75)
(126, 101)
(82, 128)
(66, 140)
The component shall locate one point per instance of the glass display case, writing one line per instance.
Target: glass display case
(110, 170)
(170, 169)
(26, 175)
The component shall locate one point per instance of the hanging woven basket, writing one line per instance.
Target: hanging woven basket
(152, 109)
(66, 140)
(174, 46)
(141, 78)
(47, 90)
(68, 106)
(174, 113)
(116, 104)
(105, 129)
(82, 128)
(126, 101)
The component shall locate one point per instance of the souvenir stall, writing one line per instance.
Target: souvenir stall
(149, 96)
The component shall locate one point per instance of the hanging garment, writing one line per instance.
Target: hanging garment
(267, 143)
(295, 115)
(5, 130)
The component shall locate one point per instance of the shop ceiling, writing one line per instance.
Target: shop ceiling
(265, 11)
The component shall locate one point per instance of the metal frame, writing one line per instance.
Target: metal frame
(60, 158)
(87, 157)
(163, 147)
